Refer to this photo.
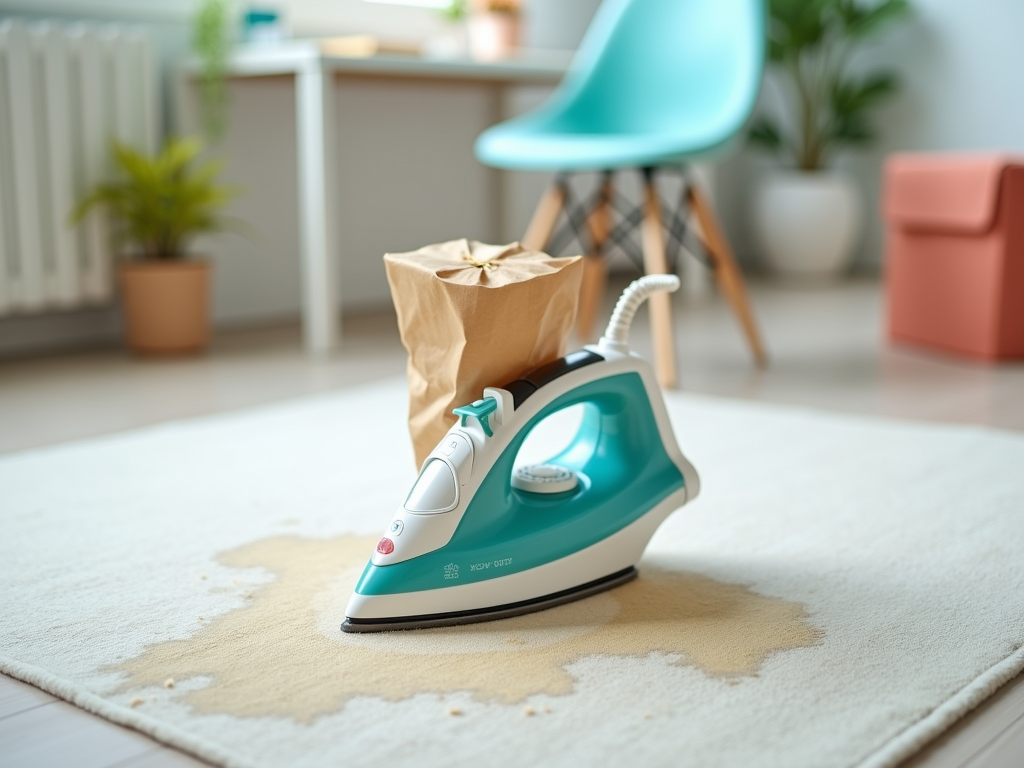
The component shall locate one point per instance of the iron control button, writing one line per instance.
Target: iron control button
(544, 478)
(396, 527)
(385, 546)
(480, 410)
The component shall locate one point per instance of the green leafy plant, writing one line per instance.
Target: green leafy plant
(456, 10)
(211, 42)
(160, 202)
(810, 42)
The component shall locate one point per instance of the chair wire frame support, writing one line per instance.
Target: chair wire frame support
(577, 210)
(589, 219)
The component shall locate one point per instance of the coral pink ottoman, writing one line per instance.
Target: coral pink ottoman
(955, 252)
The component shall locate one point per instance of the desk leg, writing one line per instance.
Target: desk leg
(314, 103)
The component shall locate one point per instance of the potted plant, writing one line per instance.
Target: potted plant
(807, 216)
(156, 206)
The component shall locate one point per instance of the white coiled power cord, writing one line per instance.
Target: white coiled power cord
(616, 335)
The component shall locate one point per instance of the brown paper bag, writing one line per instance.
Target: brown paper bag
(473, 315)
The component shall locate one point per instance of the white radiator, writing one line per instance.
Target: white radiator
(65, 92)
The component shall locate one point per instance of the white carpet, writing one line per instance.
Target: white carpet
(884, 562)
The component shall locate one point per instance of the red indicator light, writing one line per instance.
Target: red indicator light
(385, 546)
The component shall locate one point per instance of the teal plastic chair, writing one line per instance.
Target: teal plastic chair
(656, 84)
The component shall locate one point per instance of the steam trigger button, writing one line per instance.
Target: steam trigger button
(479, 410)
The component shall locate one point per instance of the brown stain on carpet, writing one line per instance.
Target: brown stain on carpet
(283, 654)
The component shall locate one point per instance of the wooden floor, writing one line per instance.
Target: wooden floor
(827, 351)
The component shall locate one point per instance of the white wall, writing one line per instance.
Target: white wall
(962, 65)
(322, 18)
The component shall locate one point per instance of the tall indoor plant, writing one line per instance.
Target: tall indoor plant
(806, 215)
(156, 205)
(211, 42)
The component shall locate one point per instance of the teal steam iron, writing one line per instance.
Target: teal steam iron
(479, 538)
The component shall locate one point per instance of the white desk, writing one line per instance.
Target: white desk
(314, 73)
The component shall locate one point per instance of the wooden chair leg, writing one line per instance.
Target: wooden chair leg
(727, 272)
(544, 217)
(595, 268)
(656, 263)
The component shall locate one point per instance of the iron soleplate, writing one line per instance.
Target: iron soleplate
(494, 613)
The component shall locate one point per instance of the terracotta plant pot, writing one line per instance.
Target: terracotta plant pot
(166, 306)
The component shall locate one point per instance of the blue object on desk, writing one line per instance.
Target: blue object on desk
(262, 25)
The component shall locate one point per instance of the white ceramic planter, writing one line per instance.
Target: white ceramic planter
(807, 224)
